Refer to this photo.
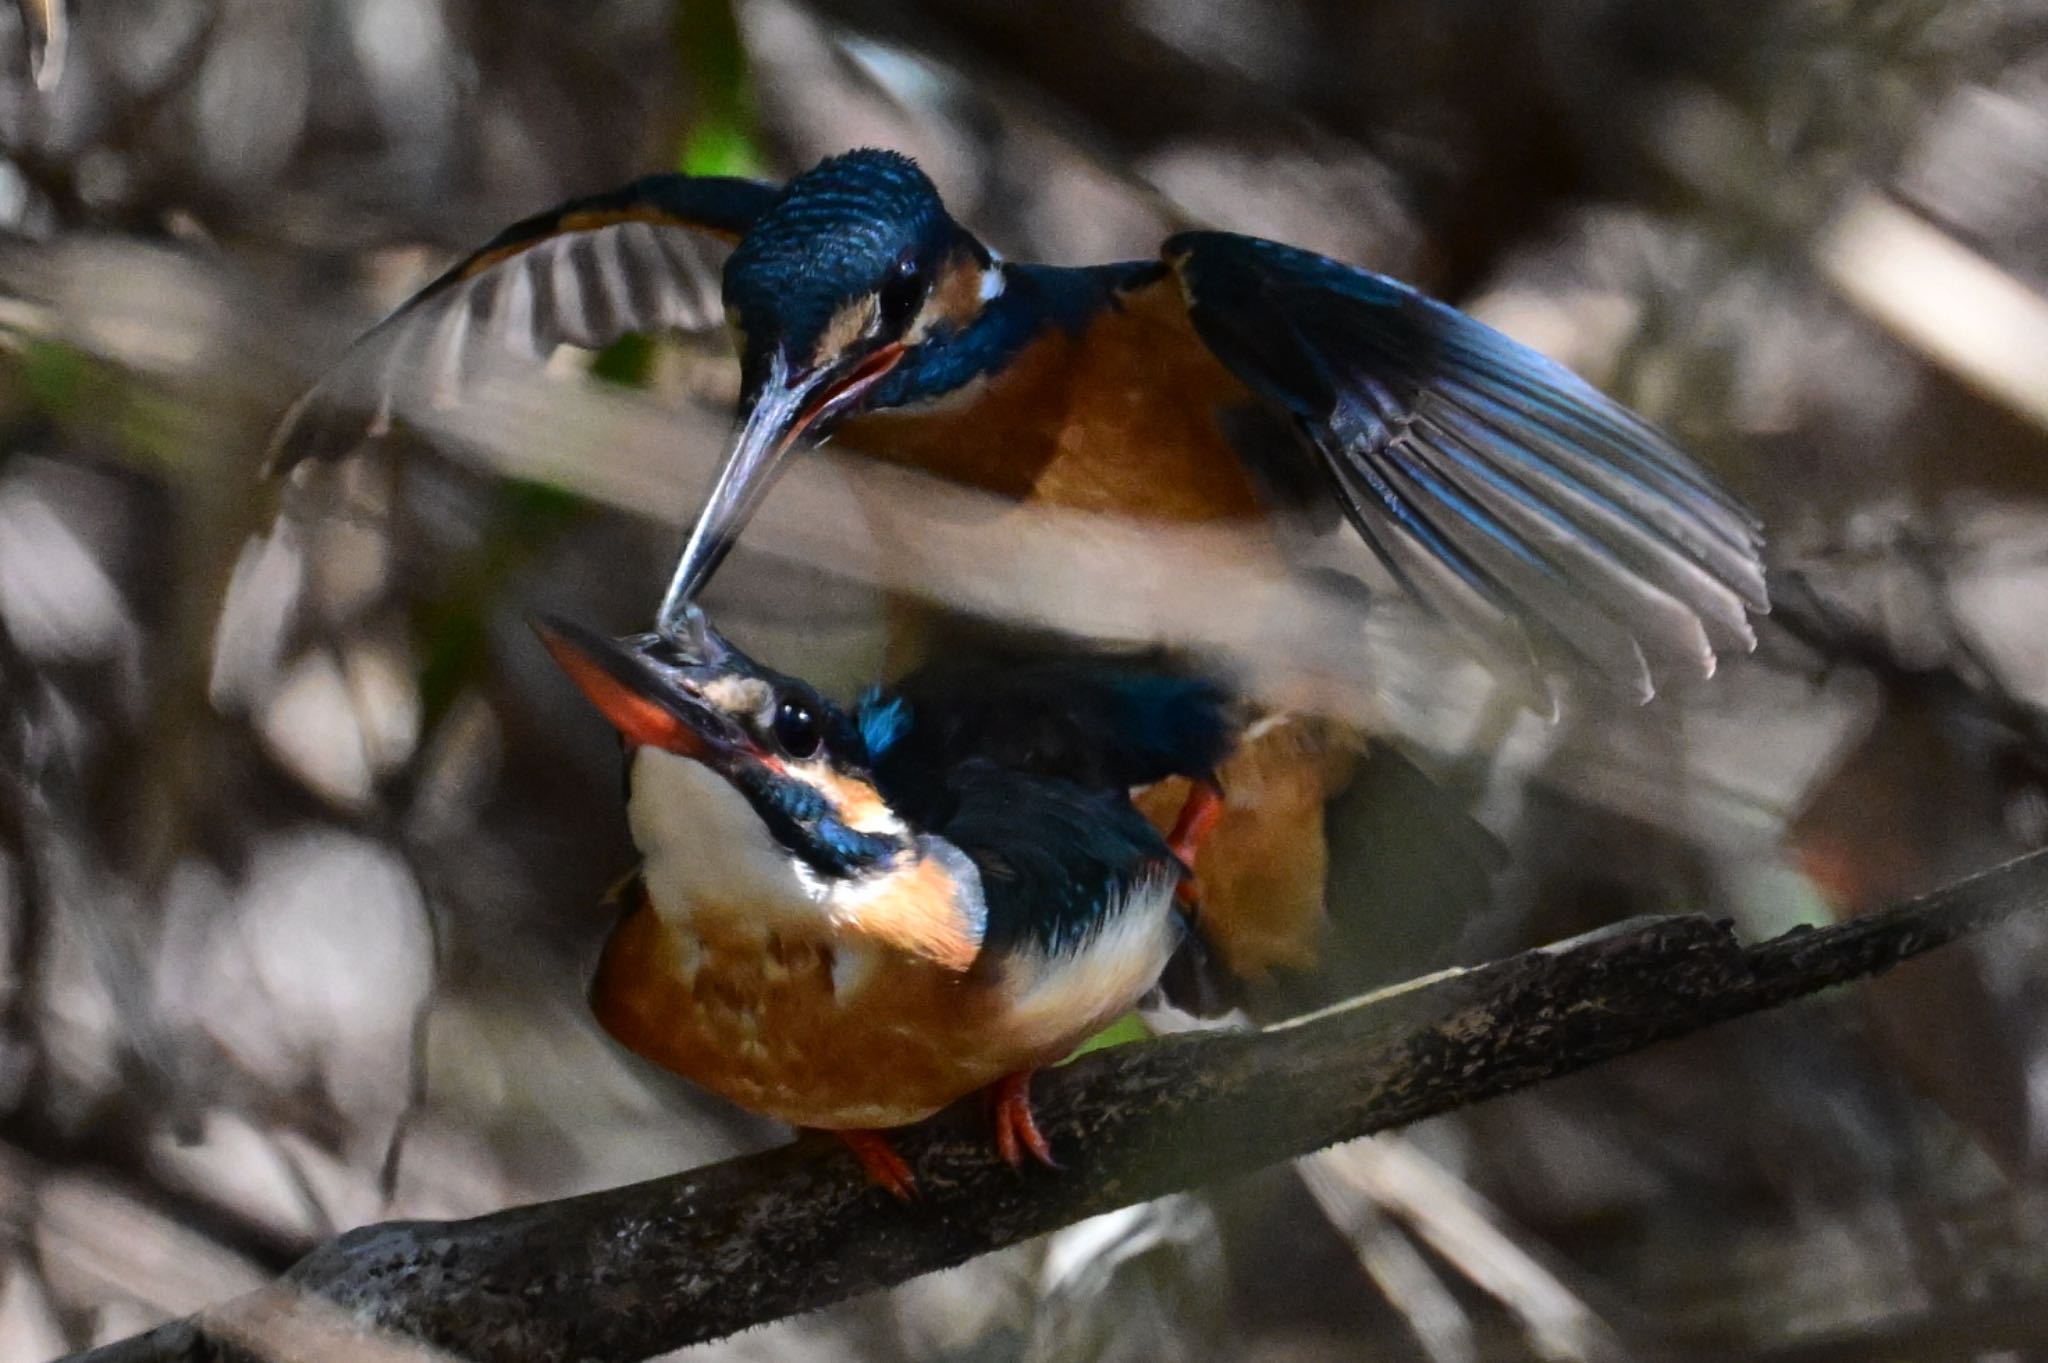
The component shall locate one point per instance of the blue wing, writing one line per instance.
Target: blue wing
(1498, 486)
(644, 258)
(1054, 857)
(1101, 724)
(1028, 769)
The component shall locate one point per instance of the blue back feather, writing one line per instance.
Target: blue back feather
(1028, 769)
(1103, 725)
(1054, 856)
(882, 720)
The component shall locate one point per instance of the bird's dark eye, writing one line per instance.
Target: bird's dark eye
(796, 728)
(902, 293)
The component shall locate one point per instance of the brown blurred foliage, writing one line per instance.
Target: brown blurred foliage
(279, 884)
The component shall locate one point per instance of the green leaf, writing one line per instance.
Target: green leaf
(714, 148)
(712, 61)
(453, 627)
(628, 361)
(1126, 1029)
(59, 378)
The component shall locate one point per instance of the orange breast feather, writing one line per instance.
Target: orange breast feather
(1262, 869)
(1120, 419)
(835, 1032)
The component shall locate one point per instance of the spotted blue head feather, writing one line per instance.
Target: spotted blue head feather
(832, 237)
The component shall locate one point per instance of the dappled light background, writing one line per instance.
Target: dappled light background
(303, 843)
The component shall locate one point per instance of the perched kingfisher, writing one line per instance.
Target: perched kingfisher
(1501, 489)
(849, 918)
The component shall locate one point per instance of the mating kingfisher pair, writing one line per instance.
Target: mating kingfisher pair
(849, 918)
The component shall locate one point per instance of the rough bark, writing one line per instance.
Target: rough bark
(639, 1270)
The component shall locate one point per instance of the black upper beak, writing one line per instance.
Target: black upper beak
(787, 407)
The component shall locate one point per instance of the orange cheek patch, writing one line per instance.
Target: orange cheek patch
(634, 715)
(848, 325)
(955, 298)
(857, 803)
(918, 911)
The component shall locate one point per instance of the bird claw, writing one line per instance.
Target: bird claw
(1016, 1128)
(884, 1167)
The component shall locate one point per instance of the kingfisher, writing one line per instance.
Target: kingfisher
(848, 918)
(1230, 379)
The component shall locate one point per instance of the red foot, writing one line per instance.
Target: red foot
(1198, 816)
(885, 1168)
(1016, 1129)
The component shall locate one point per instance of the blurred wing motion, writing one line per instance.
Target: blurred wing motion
(645, 258)
(1499, 487)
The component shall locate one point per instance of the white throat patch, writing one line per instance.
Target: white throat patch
(706, 850)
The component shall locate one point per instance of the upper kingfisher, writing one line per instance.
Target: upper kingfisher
(848, 918)
(1500, 488)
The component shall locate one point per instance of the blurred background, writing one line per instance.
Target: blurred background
(302, 840)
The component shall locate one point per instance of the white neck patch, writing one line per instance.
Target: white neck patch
(706, 850)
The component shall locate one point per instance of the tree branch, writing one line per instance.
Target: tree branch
(634, 1271)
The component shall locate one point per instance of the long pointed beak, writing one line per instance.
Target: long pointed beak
(789, 407)
(643, 703)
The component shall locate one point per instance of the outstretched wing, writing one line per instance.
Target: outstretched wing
(1498, 486)
(645, 258)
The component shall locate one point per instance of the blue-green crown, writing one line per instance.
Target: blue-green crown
(833, 236)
